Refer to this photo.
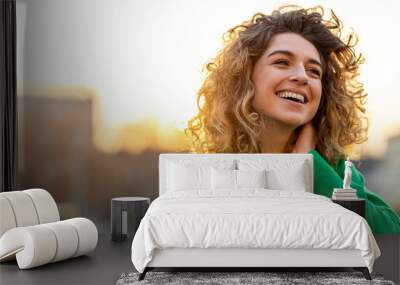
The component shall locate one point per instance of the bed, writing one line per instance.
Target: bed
(246, 211)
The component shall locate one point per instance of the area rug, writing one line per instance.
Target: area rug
(273, 278)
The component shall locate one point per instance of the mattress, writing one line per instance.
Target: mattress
(250, 219)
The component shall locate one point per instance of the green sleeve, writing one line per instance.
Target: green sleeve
(380, 216)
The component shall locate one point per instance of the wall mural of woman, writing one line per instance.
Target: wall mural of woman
(289, 83)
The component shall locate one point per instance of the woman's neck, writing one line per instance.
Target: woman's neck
(276, 138)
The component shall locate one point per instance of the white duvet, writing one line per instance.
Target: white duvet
(251, 218)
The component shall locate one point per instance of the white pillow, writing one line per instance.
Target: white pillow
(251, 178)
(189, 174)
(236, 179)
(294, 181)
(282, 174)
(223, 179)
(183, 177)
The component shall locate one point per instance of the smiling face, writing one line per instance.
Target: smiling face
(287, 80)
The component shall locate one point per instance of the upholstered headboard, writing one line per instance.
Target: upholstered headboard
(236, 159)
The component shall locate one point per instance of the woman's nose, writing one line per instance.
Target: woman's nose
(299, 75)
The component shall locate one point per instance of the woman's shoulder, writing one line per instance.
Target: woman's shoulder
(338, 165)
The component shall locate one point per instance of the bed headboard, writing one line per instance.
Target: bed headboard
(271, 158)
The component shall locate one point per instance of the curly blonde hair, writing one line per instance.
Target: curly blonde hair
(226, 121)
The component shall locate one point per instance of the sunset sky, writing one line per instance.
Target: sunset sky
(144, 58)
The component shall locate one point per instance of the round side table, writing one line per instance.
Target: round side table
(126, 214)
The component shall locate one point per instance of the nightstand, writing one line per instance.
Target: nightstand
(126, 214)
(356, 205)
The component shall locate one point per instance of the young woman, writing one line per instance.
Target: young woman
(287, 83)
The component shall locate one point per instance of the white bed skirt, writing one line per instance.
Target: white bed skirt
(235, 257)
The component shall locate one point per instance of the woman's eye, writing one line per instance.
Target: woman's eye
(316, 72)
(285, 62)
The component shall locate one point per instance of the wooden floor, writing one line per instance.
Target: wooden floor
(110, 259)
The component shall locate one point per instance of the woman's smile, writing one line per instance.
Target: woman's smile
(292, 96)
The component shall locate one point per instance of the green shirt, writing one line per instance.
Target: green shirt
(380, 216)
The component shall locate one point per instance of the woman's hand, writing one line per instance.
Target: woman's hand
(306, 140)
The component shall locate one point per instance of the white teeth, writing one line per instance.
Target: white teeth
(287, 94)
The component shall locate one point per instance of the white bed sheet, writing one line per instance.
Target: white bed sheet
(250, 218)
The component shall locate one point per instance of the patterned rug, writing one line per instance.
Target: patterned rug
(230, 278)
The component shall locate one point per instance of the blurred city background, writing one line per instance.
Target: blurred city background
(104, 87)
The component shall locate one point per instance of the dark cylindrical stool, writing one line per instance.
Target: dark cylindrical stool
(126, 214)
